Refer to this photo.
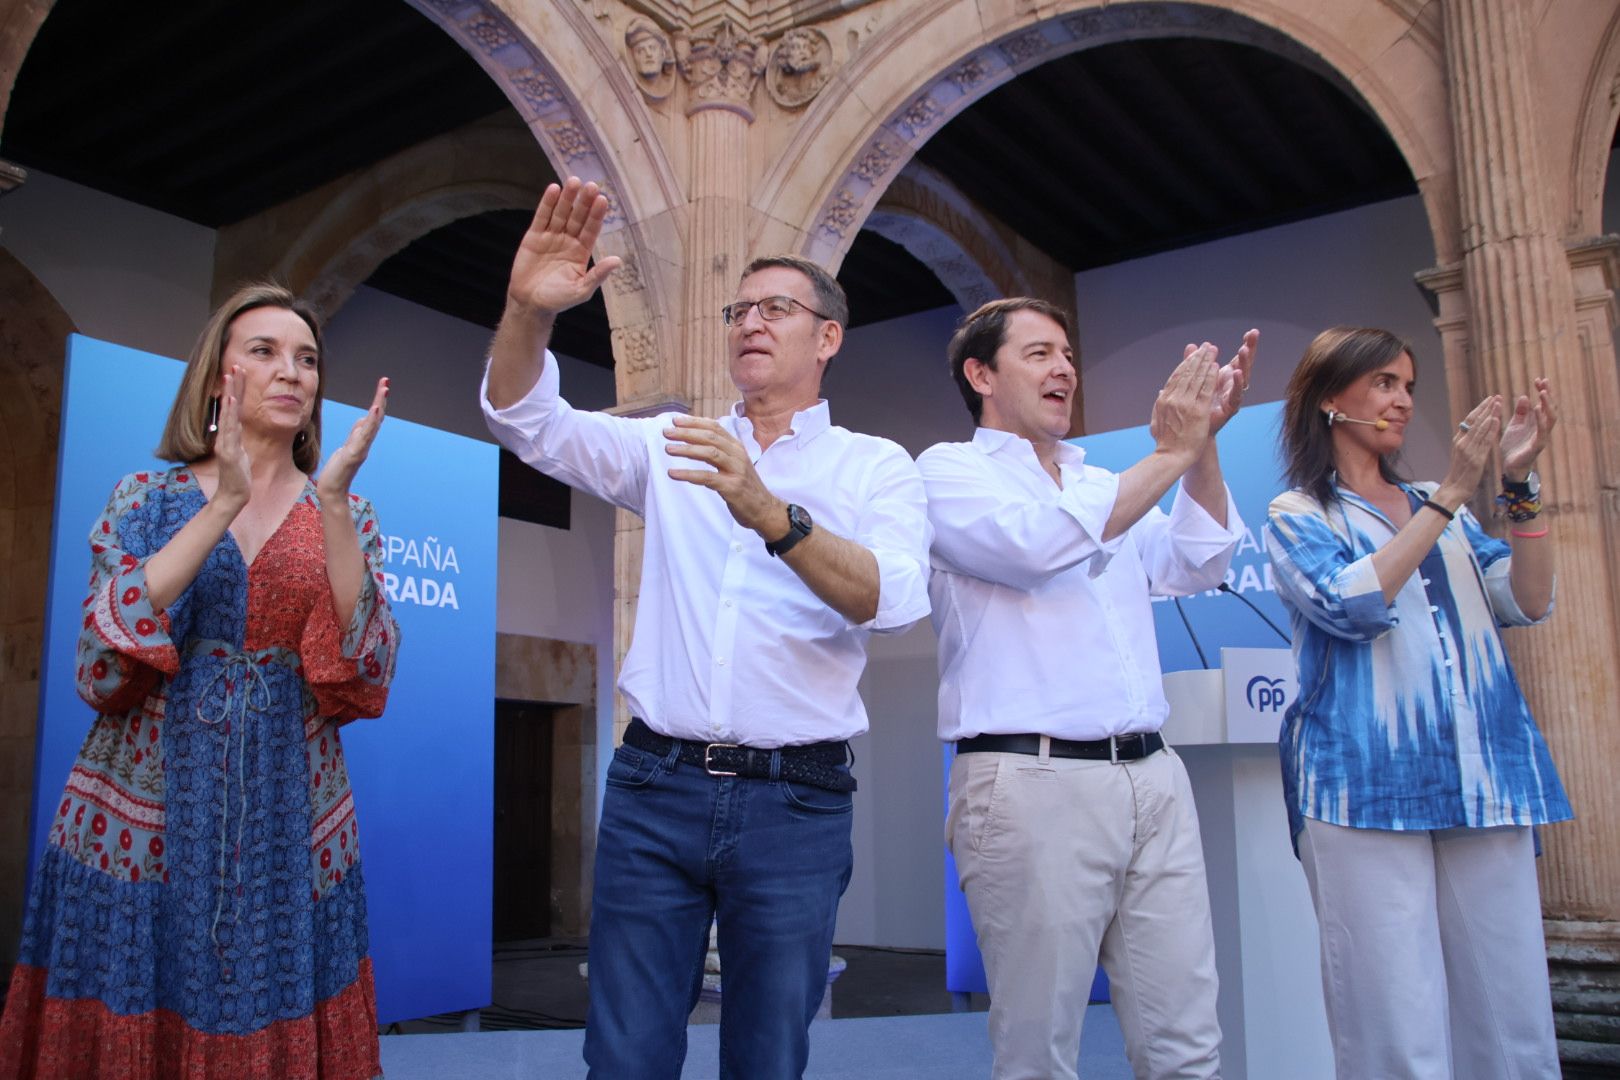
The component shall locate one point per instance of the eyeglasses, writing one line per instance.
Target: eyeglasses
(771, 308)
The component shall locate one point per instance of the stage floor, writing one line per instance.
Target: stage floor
(944, 1046)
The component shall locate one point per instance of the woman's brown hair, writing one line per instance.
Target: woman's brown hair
(1334, 359)
(186, 437)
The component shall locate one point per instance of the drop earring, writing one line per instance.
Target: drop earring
(213, 415)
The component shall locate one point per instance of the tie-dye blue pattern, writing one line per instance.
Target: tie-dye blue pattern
(1408, 715)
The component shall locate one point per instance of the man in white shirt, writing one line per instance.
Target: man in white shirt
(1071, 822)
(775, 544)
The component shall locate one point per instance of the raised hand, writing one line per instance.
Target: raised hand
(1525, 435)
(1233, 380)
(1184, 409)
(234, 482)
(733, 477)
(552, 270)
(1471, 448)
(345, 462)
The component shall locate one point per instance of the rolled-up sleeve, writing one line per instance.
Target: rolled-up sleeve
(1318, 575)
(1495, 558)
(1187, 550)
(894, 527)
(595, 452)
(984, 529)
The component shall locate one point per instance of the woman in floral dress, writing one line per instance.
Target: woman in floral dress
(199, 908)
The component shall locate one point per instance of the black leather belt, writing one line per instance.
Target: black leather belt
(817, 764)
(1117, 748)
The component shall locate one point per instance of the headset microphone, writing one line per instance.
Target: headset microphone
(1341, 418)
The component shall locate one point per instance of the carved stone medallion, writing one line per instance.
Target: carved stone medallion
(799, 67)
(651, 58)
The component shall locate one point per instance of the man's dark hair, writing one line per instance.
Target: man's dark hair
(980, 334)
(831, 303)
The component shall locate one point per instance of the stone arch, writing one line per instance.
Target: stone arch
(342, 232)
(975, 256)
(575, 99)
(939, 59)
(568, 123)
(575, 96)
(578, 101)
(33, 336)
(20, 21)
(950, 235)
(1594, 133)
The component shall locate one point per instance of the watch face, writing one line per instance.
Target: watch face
(799, 518)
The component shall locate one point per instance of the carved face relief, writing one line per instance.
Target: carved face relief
(800, 66)
(797, 54)
(651, 58)
(648, 54)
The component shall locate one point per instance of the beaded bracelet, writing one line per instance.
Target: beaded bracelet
(1518, 500)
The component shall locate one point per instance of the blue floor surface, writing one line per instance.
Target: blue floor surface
(941, 1047)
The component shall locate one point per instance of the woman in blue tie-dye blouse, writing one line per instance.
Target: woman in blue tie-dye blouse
(1411, 764)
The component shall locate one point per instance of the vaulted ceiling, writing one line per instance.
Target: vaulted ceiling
(215, 112)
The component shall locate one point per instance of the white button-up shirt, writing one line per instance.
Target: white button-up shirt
(730, 645)
(1043, 626)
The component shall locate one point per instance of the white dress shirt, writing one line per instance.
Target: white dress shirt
(1044, 627)
(730, 645)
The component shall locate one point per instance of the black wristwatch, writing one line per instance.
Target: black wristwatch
(799, 526)
(1529, 487)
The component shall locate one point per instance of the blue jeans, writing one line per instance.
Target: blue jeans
(677, 847)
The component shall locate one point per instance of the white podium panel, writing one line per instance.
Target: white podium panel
(1224, 724)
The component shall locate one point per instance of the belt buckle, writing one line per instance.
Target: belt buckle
(1135, 737)
(710, 749)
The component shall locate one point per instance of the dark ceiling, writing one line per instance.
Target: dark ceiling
(215, 112)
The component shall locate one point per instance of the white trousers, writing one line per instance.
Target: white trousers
(1063, 861)
(1433, 962)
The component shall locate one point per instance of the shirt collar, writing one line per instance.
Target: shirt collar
(992, 441)
(807, 423)
(1349, 496)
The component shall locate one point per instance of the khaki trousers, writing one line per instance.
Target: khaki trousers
(1064, 861)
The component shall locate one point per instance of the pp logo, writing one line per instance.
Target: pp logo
(1266, 695)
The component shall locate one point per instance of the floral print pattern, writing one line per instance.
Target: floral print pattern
(199, 908)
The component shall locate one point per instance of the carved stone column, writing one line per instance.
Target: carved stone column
(721, 65)
(1444, 288)
(629, 536)
(1583, 942)
(1523, 323)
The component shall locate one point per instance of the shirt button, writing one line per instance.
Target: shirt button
(1449, 661)
(738, 548)
(725, 603)
(1425, 581)
(1433, 608)
(722, 661)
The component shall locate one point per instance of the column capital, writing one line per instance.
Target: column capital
(721, 64)
(1594, 266)
(12, 177)
(1437, 281)
(1600, 253)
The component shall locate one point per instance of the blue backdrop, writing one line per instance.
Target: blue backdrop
(1249, 447)
(422, 773)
